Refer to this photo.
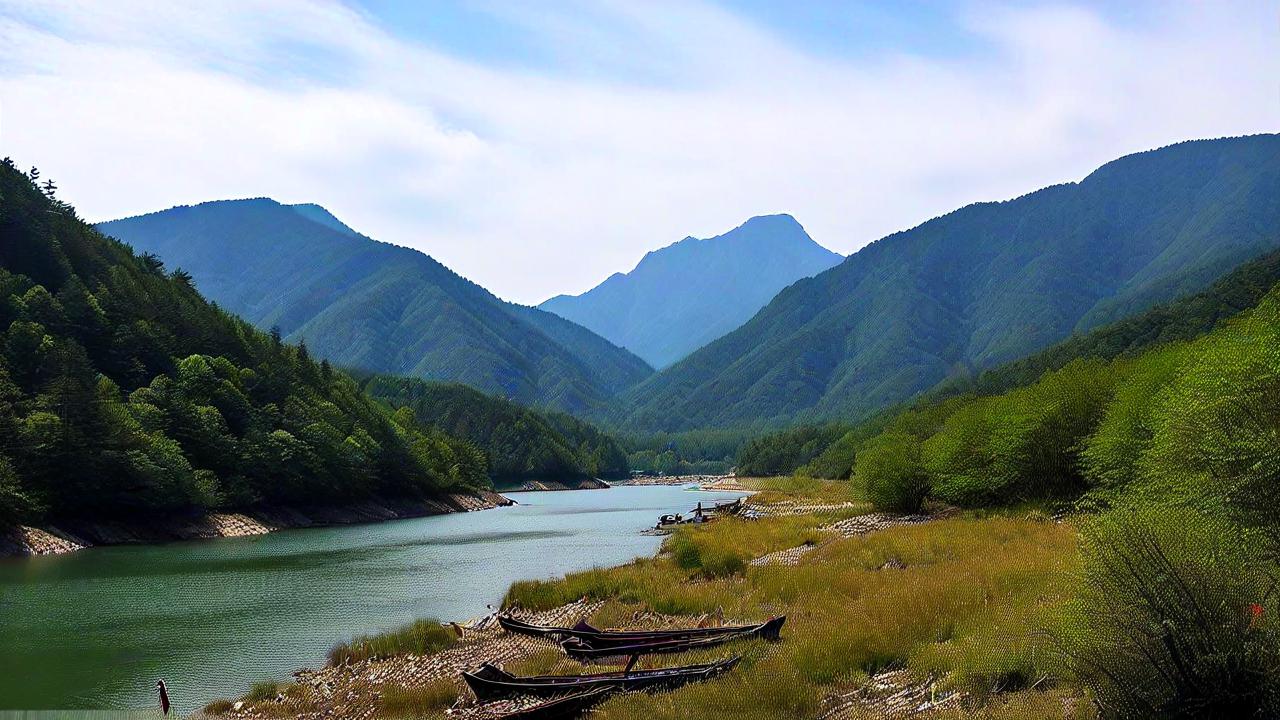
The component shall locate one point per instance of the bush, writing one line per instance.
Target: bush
(1174, 619)
(1219, 424)
(890, 469)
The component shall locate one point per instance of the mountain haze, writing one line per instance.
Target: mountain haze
(687, 294)
(375, 306)
(979, 286)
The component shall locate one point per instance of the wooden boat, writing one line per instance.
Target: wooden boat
(563, 708)
(595, 649)
(586, 632)
(490, 682)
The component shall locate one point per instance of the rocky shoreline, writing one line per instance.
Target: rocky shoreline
(26, 541)
(541, 485)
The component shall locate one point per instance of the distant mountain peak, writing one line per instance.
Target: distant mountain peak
(682, 296)
(317, 213)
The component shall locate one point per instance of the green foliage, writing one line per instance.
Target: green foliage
(695, 452)
(1218, 424)
(892, 473)
(124, 394)
(520, 443)
(365, 304)
(1175, 619)
(783, 452)
(983, 285)
(1024, 444)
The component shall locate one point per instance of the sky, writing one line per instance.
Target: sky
(537, 147)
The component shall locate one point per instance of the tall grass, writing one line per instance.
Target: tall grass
(969, 607)
(417, 638)
(416, 702)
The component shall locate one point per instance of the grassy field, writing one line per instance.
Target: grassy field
(966, 602)
(965, 605)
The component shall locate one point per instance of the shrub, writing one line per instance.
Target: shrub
(890, 469)
(264, 690)
(1173, 619)
(1220, 422)
(218, 707)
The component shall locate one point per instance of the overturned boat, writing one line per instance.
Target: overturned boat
(489, 682)
(600, 638)
(606, 646)
(562, 708)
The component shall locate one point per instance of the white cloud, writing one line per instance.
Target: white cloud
(690, 120)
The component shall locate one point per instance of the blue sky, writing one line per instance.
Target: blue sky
(537, 147)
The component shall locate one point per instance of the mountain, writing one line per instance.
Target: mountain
(977, 287)
(125, 395)
(520, 443)
(370, 305)
(691, 292)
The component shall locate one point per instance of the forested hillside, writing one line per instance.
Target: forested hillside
(365, 304)
(685, 295)
(124, 394)
(977, 287)
(520, 443)
(1184, 319)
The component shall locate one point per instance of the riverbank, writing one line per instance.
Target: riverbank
(933, 616)
(723, 483)
(25, 541)
(545, 485)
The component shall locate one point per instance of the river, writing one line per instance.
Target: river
(96, 628)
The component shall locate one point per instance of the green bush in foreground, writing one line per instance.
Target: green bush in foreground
(1174, 619)
(892, 473)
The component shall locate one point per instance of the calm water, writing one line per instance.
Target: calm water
(94, 629)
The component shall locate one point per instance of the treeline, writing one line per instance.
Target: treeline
(696, 452)
(1176, 452)
(519, 442)
(1183, 319)
(782, 452)
(124, 394)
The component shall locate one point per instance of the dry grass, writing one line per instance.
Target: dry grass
(968, 608)
(426, 700)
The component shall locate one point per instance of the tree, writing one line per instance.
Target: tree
(49, 188)
(890, 469)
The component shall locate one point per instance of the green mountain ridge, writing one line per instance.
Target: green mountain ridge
(685, 295)
(379, 307)
(126, 395)
(976, 287)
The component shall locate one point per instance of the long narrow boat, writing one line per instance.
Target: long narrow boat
(588, 633)
(489, 682)
(563, 708)
(582, 649)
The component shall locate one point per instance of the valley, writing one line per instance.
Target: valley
(958, 454)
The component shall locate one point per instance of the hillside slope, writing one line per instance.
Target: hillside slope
(520, 443)
(687, 294)
(125, 395)
(374, 306)
(977, 287)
